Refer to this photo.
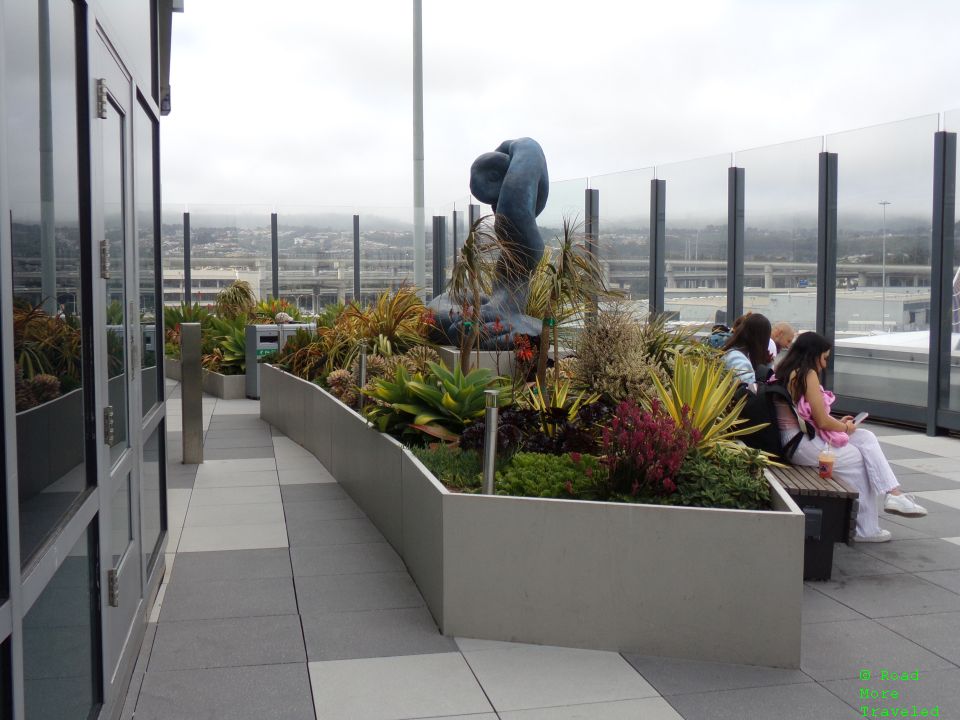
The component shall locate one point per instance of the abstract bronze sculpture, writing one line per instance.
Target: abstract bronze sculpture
(513, 181)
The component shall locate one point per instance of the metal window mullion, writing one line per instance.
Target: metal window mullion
(735, 241)
(827, 253)
(658, 204)
(941, 275)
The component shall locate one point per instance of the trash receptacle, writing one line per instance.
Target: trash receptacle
(261, 340)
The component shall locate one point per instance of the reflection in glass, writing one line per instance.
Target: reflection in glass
(41, 147)
(58, 646)
(625, 231)
(780, 235)
(152, 488)
(114, 227)
(883, 260)
(696, 238)
(565, 201)
(146, 244)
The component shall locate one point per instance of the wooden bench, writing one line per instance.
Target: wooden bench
(836, 520)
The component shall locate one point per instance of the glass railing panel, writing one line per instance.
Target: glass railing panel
(386, 249)
(883, 260)
(565, 201)
(780, 231)
(228, 243)
(696, 238)
(624, 240)
(315, 253)
(952, 124)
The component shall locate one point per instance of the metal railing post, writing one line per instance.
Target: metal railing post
(941, 276)
(658, 232)
(187, 280)
(490, 441)
(827, 255)
(275, 255)
(191, 393)
(439, 254)
(356, 259)
(735, 227)
(455, 230)
(591, 229)
(473, 214)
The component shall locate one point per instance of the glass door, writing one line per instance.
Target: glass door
(118, 366)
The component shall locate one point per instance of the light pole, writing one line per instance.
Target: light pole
(883, 269)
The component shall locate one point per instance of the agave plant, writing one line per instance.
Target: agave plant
(398, 319)
(228, 354)
(567, 280)
(266, 311)
(440, 404)
(557, 405)
(700, 397)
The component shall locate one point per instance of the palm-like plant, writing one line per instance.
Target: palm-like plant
(236, 300)
(700, 397)
(568, 279)
(473, 274)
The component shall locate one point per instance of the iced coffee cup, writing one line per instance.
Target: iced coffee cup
(825, 462)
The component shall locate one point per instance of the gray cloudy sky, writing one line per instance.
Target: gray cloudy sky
(293, 103)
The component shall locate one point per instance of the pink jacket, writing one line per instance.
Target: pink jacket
(836, 438)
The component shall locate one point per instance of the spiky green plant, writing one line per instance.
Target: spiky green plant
(236, 300)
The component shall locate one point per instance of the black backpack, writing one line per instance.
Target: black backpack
(760, 409)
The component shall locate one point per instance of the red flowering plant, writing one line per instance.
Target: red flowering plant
(644, 449)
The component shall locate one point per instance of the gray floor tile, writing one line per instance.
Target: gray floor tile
(903, 530)
(788, 702)
(375, 633)
(277, 692)
(645, 709)
(890, 595)
(228, 643)
(252, 433)
(235, 495)
(231, 442)
(332, 532)
(839, 650)
(345, 509)
(537, 676)
(228, 598)
(239, 453)
(312, 492)
(923, 482)
(938, 525)
(854, 562)
(917, 555)
(221, 423)
(673, 676)
(817, 607)
(417, 686)
(898, 452)
(933, 688)
(345, 559)
(371, 591)
(881, 430)
(231, 565)
(949, 579)
(939, 633)
(233, 537)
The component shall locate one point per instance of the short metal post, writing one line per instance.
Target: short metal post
(490, 441)
(187, 281)
(191, 393)
(363, 373)
(356, 259)
(275, 255)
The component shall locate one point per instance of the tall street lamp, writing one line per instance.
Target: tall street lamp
(883, 268)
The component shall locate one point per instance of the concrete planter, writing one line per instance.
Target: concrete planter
(705, 584)
(225, 387)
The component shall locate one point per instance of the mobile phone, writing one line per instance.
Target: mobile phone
(860, 418)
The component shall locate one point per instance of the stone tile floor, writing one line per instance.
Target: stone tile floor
(282, 601)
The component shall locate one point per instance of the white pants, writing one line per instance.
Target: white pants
(861, 464)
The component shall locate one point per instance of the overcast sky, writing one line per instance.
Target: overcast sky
(292, 103)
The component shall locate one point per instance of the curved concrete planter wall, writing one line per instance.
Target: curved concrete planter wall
(225, 387)
(706, 584)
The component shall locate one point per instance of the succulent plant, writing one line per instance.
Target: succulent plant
(45, 388)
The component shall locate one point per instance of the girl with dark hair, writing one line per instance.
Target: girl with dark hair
(858, 457)
(748, 348)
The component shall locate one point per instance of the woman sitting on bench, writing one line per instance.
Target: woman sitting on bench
(859, 459)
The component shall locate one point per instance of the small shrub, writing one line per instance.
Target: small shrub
(552, 476)
(644, 450)
(725, 479)
(457, 469)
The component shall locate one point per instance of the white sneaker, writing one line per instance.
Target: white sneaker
(882, 536)
(903, 505)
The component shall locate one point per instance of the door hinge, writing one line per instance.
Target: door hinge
(104, 259)
(113, 587)
(109, 436)
(101, 98)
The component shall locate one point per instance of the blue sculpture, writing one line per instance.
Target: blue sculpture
(513, 180)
